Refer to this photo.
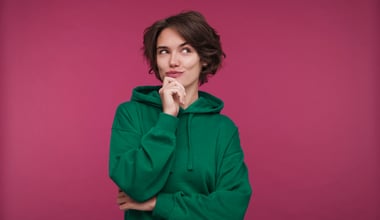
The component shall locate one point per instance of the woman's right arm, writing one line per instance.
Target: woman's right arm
(140, 163)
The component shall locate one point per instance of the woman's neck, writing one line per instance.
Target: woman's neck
(191, 96)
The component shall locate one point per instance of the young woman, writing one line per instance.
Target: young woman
(173, 155)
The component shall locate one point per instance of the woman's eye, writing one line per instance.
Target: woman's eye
(186, 50)
(162, 51)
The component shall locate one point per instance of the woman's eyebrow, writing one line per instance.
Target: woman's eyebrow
(166, 47)
(162, 47)
(183, 44)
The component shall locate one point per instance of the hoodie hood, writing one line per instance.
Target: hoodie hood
(205, 104)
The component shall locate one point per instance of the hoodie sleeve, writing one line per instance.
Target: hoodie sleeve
(229, 200)
(140, 163)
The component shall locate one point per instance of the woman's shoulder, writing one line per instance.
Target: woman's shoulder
(220, 121)
(128, 107)
(228, 122)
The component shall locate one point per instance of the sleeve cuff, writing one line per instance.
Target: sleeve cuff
(167, 122)
(164, 205)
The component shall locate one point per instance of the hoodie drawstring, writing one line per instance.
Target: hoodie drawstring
(189, 148)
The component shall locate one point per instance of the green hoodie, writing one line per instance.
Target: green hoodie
(192, 163)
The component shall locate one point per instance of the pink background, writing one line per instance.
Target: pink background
(301, 80)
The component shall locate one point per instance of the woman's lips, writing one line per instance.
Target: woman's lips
(173, 74)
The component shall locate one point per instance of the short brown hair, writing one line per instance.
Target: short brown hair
(193, 27)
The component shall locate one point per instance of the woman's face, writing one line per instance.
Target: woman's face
(177, 59)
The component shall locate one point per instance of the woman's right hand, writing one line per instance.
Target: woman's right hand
(126, 203)
(172, 95)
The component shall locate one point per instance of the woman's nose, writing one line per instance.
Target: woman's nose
(173, 60)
